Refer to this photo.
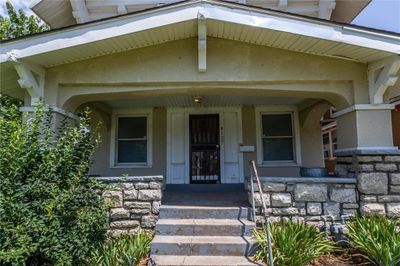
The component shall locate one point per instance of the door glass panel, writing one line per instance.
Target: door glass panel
(204, 149)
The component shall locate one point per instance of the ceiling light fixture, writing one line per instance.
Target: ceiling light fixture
(198, 99)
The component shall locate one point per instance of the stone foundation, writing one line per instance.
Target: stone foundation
(135, 202)
(308, 199)
(378, 181)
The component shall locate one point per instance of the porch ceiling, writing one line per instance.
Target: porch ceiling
(224, 20)
(207, 101)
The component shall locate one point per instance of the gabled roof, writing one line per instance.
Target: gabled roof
(224, 20)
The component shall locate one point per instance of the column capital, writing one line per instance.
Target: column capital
(362, 107)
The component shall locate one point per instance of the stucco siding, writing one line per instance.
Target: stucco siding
(101, 158)
(245, 66)
(249, 138)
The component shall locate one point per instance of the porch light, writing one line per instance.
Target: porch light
(198, 99)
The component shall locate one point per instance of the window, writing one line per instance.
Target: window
(277, 137)
(132, 140)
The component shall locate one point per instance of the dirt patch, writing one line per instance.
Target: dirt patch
(342, 259)
(143, 262)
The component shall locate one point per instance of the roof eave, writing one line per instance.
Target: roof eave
(268, 19)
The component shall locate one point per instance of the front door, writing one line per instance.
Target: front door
(204, 149)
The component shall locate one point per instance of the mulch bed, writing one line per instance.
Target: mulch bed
(342, 258)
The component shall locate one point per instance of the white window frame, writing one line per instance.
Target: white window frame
(148, 113)
(284, 109)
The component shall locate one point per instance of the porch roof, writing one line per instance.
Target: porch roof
(224, 20)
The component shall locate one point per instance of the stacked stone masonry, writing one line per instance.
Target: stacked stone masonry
(378, 182)
(135, 202)
(310, 200)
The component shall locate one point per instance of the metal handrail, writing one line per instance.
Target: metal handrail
(254, 175)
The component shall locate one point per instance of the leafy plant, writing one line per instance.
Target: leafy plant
(19, 24)
(50, 210)
(294, 244)
(124, 250)
(378, 238)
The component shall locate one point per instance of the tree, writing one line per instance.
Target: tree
(19, 24)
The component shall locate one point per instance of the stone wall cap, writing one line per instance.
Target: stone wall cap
(369, 151)
(315, 180)
(117, 179)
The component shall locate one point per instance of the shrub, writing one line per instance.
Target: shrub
(294, 244)
(378, 238)
(123, 249)
(50, 210)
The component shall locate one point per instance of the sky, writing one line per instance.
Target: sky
(380, 14)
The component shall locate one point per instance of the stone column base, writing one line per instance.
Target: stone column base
(378, 180)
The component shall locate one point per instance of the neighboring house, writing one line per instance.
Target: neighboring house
(329, 139)
(394, 98)
(190, 92)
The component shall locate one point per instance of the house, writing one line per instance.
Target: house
(192, 91)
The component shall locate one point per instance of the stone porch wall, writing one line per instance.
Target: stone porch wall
(378, 181)
(367, 184)
(135, 202)
(307, 199)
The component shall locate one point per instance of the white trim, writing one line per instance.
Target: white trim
(185, 11)
(278, 109)
(381, 75)
(202, 110)
(55, 109)
(202, 41)
(148, 113)
(358, 107)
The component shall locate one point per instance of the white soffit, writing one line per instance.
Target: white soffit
(55, 13)
(224, 20)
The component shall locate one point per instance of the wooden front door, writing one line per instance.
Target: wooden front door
(204, 149)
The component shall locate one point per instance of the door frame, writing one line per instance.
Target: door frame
(218, 181)
(187, 111)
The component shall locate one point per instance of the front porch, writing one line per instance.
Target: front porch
(209, 142)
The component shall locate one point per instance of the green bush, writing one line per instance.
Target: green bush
(377, 238)
(294, 244)
(124, 250)
(50, 210)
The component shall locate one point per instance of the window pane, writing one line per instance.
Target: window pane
(277, 125)
(278, 149)
(132, 127)
(132, 151)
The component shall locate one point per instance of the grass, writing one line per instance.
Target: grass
(294, 244)
(123, 250)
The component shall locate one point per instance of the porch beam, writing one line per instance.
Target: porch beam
(121, 9)
(283, 5)
(325, 8)
(31, 78)
(202, 42)
(80, 11)
(381, 75)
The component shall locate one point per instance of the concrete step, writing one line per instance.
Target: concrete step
(204, 227)
(201, 261)
(203, 212)
(201, 245)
